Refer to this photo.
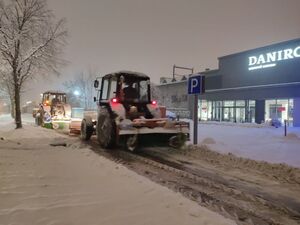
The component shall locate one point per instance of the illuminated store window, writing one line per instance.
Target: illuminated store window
(205, 110)
(228, 103)
(282, 109)
(209, 110)
(279, 109)
(240, 111)
(218, 110)
(270, 110)
(229, 111)
(202, 110)
(290, 112)
(251, 111)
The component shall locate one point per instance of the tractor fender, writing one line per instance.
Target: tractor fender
(154, 110)
(118, 109)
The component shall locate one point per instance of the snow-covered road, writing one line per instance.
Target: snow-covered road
(42, 184)
(257, 142)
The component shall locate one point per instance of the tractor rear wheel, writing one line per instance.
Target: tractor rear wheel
(106, 129)
(87, 128)
(38, 120)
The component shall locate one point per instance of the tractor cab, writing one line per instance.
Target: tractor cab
(54, 104)
(131, 90)
(53, 98)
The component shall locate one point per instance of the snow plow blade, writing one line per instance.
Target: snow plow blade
(152, 126)
(57, 125)
(155, 132)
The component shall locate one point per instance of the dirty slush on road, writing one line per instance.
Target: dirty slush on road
(247, 191)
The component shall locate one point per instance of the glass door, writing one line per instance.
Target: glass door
(290, 112)
(277, 110)
(240, 115)
(228, 114)
(251, 104)
(240, 111)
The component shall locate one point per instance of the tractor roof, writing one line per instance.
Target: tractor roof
(54, 92)
(128, 74)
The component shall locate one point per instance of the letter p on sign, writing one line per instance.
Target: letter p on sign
(196, 85)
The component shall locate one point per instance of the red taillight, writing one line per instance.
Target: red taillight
(114, 100)
(154, 102)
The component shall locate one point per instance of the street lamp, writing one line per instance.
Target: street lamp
(76, 93)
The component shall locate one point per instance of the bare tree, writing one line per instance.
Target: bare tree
(7, 93)
(82, 85)
(6, 90)
(30, 44)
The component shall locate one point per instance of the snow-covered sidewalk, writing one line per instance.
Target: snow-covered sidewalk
(42, 184)
(252, 141)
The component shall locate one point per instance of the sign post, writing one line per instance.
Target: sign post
(196, 86)
(195, 117)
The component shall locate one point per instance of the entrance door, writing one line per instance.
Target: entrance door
(252, 114)
(240, 115)
(274, 111)
(217, 111)
(277, 109)
(228, 114)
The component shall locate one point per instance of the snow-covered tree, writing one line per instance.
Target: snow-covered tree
(6, 90)
(31, 44)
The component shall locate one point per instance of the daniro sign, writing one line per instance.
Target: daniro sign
(269, 59)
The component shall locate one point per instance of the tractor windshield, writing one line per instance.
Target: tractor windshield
(135, 90)
(51, 99)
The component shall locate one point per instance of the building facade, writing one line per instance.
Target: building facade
(257, 85)
(174, 96)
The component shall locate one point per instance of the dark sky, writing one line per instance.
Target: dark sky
(151, 35)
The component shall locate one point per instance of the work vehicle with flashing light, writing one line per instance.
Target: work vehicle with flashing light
(53, 111)
(127, 115)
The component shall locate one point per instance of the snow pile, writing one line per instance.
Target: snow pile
(293, 136)
(5, 119)
(208, 141)
(280, 172)
(258, 143)
(236, 124)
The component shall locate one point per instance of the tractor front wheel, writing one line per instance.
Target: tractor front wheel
(87, 128)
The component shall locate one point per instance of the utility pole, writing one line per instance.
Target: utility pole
(182, 68)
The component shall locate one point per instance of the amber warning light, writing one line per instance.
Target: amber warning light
(46, 103)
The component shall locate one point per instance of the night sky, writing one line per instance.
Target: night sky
(151, 35)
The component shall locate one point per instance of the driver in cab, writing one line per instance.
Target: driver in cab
(130, 93)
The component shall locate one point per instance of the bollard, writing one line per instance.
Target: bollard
(285, 133)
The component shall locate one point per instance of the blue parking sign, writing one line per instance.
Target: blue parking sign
(196, 85)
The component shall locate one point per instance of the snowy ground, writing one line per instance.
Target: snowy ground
(252, 141)
(42, 184)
